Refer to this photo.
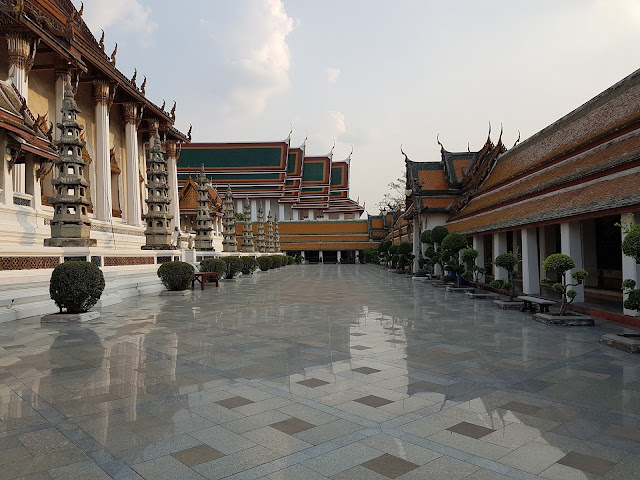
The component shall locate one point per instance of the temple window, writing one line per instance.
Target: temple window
(71, 191)
(71, 170)
(71, 210)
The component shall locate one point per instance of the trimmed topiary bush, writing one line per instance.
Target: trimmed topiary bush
(176, 275)
(448, 279)
(234, 266)
(249, 265)
(213, 265)
(425, 237)
(561, 264)
(508, 261)
(438, 234)
(499, 284)
(76, 286)
(264, 263)
(290, 260)
(275, 261)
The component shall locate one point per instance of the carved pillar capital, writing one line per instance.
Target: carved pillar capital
(154, 124)
(101, 92)
(130, 113)
(19, 49)
(170, 146)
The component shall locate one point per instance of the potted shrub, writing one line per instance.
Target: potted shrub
(562, 264)
(452, 244)
(249, 265)
(234, 266)
(474, 273)
(264, 263)
(75, 287)
(176, 276)
(404, 256)
(214, 265)
(508, 261)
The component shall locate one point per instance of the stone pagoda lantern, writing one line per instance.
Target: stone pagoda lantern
(70, 226)
(247, 228)
(261, 244)
(204, 226)
(276, 235)
(157, 218)
(229, 242)
(270, 244)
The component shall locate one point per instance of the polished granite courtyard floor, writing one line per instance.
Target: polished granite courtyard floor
(315, 372)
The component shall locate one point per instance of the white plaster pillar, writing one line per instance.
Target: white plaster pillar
(478, 244)
(32, 184)
(312, 214)
(341, 216)
(339, 255)
(133, 210)
(61, 78)
(6, 179)
(630, 269)
(281, 212)
(239, 206)
(172, 178)
(321, 256)
(304, 257)
(530, 263)
(296, 214)
(499, 246)
(571, 244)
(416, 243)
(103, 202)
(254, 210)
(542, 232)
(21, 50)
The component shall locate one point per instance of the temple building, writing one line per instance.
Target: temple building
(309, 195)
(563, 190)
(46, 52)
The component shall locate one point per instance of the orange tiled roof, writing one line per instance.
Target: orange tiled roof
(436, 202)
(319, 227)
(433, 180)
(616, 192)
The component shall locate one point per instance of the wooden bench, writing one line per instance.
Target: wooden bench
(529, 303)
(202, 278)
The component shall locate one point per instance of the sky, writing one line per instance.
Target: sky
(371, 75)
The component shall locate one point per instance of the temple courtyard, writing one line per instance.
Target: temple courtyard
(314, 372)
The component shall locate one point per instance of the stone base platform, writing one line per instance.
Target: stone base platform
(175, 293)
(481, 295)
(564, 320)
(460, 289)
(627, 342)
(70, 317)
(507, 305)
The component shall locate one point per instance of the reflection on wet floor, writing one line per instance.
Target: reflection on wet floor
(334, 371)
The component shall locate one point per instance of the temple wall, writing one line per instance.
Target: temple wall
(86, 118)
(4, 60)
(42, 94)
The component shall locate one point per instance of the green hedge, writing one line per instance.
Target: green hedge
(176, 275)
(213, 265)
(234, 266)
(276, 261)
(76, 286)
(265, 263)
(290, 260)
(249, 265)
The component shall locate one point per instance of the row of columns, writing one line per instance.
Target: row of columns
(572, 239)
(22, 179)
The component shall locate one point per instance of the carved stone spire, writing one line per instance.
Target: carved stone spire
(247, 228)
(157, 218)
(260, 243)
(70, 226)
(276, 234)
(229, 242)
(270, 244)
(204, 227)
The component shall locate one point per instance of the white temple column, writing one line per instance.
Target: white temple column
(6, 179)
(281, 212)
(630, 269)
(530, 263)
(103, 201)
(296, 214)
(32, 182)
(499, 246)
(61, 78)
(590, 253)
(321, 256)
(571, 244)
(312, 215)
(339, 255)
(416, 243)
(341, 216)
(302, 254)
(172, 177)
(133, 210)
(478, 244)
(20, 52)
(254, 210)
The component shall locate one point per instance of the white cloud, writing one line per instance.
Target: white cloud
(339, 126)
(127, 15)
(259, 56)
(332, 74)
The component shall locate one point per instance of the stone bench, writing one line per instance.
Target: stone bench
(529, 303)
